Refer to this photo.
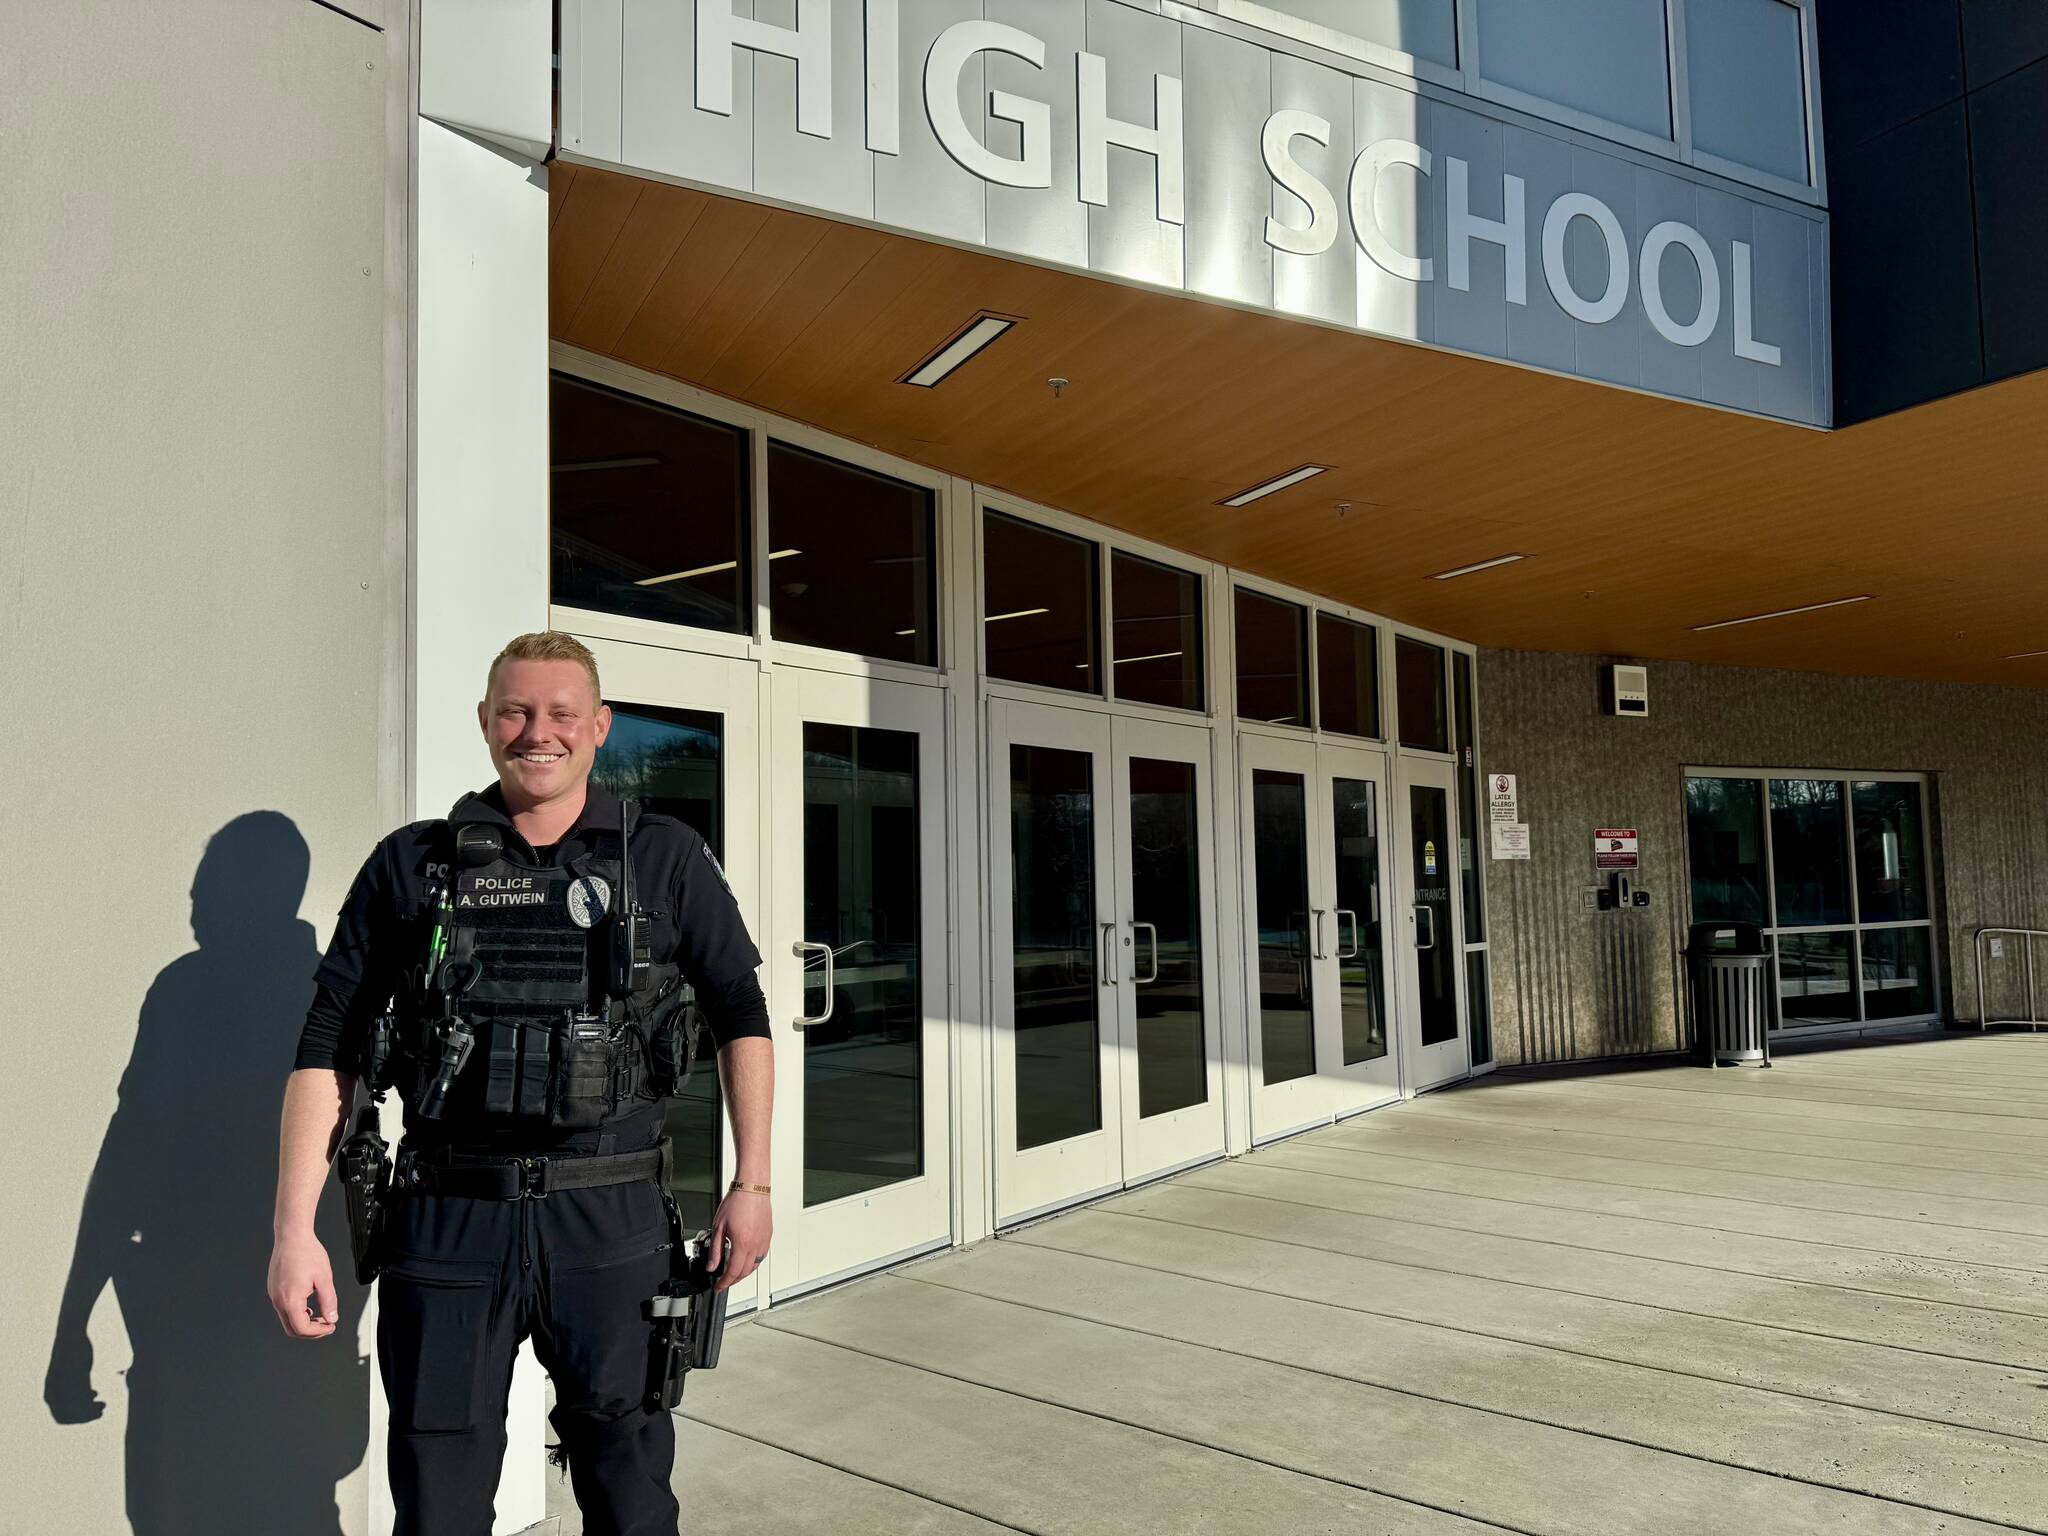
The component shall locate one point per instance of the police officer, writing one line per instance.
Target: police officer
(528, 1201)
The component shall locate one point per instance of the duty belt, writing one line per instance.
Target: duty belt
(532, 1177)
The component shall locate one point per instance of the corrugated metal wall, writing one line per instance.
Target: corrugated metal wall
(1569, 983)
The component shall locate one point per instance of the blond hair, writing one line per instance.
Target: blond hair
(548, 645)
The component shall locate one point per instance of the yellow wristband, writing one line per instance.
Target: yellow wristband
(752, 1189)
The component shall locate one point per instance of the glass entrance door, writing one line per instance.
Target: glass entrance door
(1168, 1018)
(682, 742)
(1316, 934)
(1102, 918)
(858, 959)
(1429, 934)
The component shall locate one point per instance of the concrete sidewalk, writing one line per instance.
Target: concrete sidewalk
(1645, 1301)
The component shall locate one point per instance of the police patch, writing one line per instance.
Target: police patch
(589, 897)
(717, 868)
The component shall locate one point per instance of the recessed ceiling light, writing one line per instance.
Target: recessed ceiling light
(1021, 613)
(1292, 477)
(642, 462)
(1783, 613)
(1484, 565)
(1155, 656)
(783, 554)
(906, 631)
(2023, 655)
(980, 332)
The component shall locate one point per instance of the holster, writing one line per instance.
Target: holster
(364, 1168)
(688, 1314)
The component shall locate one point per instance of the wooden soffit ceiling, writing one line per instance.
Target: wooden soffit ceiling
(1639, 517)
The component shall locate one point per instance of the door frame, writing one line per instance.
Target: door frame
(1042, 1178)
(1179, 1138)
(1126, 1148)
(1425, 1067)
(818, 1245)
(735, 689)
(1378, 1082)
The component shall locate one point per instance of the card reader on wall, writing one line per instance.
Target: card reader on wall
(1628, 690)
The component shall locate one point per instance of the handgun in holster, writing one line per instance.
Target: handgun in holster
(689, 1317)
(364, 1168)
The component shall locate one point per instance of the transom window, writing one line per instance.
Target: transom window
(653, 516)
(649, 509)
(1043, 608)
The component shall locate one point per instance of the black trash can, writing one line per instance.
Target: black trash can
(1729, 969)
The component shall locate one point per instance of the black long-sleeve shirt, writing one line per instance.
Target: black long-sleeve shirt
(692, 920)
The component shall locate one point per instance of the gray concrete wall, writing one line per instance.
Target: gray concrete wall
(201, 572)
(1572, 984)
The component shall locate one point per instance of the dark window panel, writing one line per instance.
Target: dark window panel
(1419, 712)
(1361, 976)
(1347, 676)
(1157, 632)
(1272, 659)
(1039, 605)
(670, 761)
(1479, 1007)
(1816, 979)
(648, 510)
(1884, 63)
(1472, 831)
(1898, 972)
(2009, 168)
(1166, 893)
(1724, 835)
(864, 1068)
(1891, 863)
(1810, 852)
(852, 558)
(1053, 938)
(1287, 1040)
(2000, 36)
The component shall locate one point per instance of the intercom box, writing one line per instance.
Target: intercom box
(1628, 690)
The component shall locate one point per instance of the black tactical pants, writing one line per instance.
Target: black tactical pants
(464, 1282)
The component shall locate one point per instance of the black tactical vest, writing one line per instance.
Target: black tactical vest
(527, 950)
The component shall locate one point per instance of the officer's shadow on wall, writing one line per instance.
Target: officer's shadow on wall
(232, 1426)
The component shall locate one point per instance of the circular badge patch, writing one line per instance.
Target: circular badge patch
(589, 897)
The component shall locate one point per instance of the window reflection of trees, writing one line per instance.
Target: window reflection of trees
(1833, 967)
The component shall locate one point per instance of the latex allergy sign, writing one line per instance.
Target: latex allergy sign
(502, 891)
(959, 48)
(1614, 848)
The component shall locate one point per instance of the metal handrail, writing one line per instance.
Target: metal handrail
(2033, 1020)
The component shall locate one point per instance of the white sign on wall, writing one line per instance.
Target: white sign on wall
(1502, 801)
(1510, 840)
(1174, 151)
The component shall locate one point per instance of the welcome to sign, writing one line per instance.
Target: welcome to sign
(1179, 151)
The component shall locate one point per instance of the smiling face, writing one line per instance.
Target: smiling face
(544, 724)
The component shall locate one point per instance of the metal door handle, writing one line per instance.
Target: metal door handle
(800, 949)
(1318, 911)
(1423, 909)
(1342, 952)
(1154, 932)
(1109, 966)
